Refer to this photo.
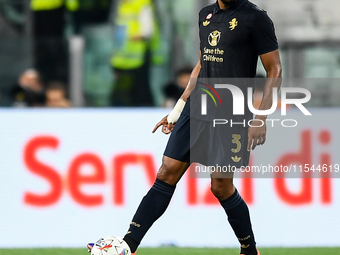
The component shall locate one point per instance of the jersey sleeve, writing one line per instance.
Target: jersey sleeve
(200, 17)
(263, 33)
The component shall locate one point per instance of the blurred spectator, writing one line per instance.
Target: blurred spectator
(29, 91)
(137, 44)
(12, 19)
(88, 12)
(173, 91)
(56, 95)
(50, 46)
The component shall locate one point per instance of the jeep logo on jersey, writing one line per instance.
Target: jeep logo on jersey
(214, 38)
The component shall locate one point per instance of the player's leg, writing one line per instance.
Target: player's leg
(175, 163)
(237, 212)
(156, 200)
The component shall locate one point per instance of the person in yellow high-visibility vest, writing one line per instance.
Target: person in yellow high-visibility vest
(136, 37)
(43, 5)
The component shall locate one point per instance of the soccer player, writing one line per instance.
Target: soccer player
(241, 31)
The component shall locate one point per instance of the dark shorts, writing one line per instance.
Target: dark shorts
(197, 141)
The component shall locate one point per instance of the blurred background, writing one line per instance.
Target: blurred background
(72, 176)
(87, 51)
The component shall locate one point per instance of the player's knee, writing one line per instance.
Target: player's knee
(167, 174)
(217, 191)
(222, 189)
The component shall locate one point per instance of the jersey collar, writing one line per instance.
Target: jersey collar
(231, 9)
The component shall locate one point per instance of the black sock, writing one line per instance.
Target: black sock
(239, 219)
(150, 209)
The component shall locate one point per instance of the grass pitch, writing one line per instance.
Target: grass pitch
(180, 251)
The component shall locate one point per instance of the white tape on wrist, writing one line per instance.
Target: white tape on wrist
(176, 112)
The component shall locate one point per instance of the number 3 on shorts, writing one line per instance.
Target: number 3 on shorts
(236, 140)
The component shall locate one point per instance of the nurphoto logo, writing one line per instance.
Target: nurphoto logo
(239, 104)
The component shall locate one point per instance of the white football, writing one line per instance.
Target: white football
(111, 245)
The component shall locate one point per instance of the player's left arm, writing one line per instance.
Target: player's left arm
(169, 121)
(272, 64)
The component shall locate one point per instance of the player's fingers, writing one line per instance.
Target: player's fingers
(157, 126)
(250, 140)
(165, 129)
(167, 132)
(263, 139)
(170, 127)
(155, 129)
(255, 143)
(259, 140)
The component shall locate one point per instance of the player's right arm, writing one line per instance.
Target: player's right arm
(170, 120)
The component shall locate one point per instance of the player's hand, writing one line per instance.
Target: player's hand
(256, 133)
(167, 127)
